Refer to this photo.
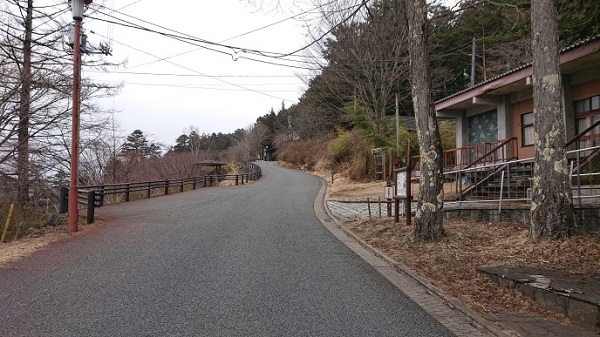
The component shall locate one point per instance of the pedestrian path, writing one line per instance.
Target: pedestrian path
(349, 211)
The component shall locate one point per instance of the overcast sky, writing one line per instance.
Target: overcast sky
(170, 85)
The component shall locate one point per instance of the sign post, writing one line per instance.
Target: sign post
(403, 192)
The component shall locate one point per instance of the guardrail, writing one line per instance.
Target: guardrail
(94, 196)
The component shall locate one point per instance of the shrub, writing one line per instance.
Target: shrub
(303, 153)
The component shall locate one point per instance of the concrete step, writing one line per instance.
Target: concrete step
(576, 296)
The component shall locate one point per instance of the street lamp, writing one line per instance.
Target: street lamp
(77, 9)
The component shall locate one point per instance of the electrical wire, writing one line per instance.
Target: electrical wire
(206, 75)
(198, 86)
(231, 38)
(194, 75)
(220, 44)
(234, 56)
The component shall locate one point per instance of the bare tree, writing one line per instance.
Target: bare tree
(552, 204)
(36, 94)
(429, 217)
(366, 52)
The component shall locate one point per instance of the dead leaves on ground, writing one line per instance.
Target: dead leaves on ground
(450, 263)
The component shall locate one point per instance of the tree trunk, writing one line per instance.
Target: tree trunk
(429, 217)
(24, 112)
(552, 204)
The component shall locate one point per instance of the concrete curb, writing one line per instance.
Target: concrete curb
(400, 267)
(451, 301)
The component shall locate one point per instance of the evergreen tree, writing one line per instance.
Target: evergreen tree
(137, 147)
(182, 144)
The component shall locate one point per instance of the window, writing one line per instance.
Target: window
(527, 129)
(588, 104)
(588, 113)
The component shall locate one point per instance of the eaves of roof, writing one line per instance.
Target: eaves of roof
(568, 54)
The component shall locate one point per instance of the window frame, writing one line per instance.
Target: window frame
(525, 127)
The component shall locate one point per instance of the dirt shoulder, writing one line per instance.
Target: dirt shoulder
(38, 239)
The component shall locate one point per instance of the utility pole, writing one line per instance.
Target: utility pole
(397, 126)
(473, 64)
(77, 9)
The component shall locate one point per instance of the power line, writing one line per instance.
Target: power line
(199, 86)
(278, 22)
(193, 75)
(220, 44)
(182, 36)
(231, 38)
(234, 56)
(206, 75)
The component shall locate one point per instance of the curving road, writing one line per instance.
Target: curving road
(250, 260)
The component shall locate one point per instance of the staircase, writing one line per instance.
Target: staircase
(509, 181)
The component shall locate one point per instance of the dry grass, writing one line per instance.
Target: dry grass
(37, 239)
(450, 263)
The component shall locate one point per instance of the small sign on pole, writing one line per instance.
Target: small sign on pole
(389, 192)
(401, 183)
(403, 192)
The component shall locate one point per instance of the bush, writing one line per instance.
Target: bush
(339, 147)
(305, 154)
(349, 154)
(24, 220)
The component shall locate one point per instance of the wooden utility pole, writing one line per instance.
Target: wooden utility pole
(77, 8)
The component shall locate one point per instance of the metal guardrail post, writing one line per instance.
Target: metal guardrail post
(194, 183)
(101, 197)
(148, 190)
(64, 199)
(181, 186)
(91, 200)
(166, 187)
(127, 192)
(236, 179)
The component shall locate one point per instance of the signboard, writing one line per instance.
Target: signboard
(389, 192)
(401, 183)
(403, 191)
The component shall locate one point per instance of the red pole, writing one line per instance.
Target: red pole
(73, 210)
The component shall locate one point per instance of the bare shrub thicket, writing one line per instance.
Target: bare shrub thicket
(306, 154)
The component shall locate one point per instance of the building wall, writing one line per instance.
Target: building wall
(510, 108)
(483, 127)
(505, 119)
(518, 109)
(587, 89)
(571, 94)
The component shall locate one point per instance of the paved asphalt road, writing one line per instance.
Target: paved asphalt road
(251, 260)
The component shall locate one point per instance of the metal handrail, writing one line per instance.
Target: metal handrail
(578, 137)
(492, 151)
